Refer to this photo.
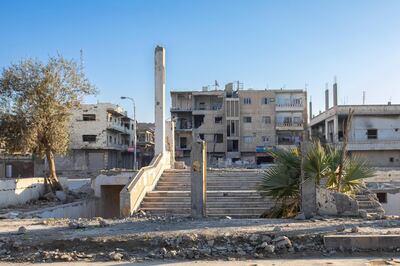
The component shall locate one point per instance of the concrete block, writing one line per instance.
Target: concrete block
(362, 242)
(198, 179)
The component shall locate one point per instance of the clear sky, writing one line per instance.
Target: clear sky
(261, 43)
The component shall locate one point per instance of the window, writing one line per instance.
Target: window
(89, 117)
(372, 133)
(391, 159)
(183, 142)
(264, 101)
(201, 136)
(382, 197)
(89, 138)
(247, 139)
(247, 119)
(266, 119)
(218, 120)
(218, 138)
(110, 139)
(265, 139)
(247, 100)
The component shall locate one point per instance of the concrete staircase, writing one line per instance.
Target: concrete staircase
(368, 202)
(229, 193)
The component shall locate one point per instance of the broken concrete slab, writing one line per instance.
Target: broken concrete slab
(362, 242)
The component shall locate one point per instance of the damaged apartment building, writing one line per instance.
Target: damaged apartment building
(101, 137)
(374, 132)
(241, 126)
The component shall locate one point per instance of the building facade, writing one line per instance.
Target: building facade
(374, 131)
(145, 143)
(238, 125)
(100, 135)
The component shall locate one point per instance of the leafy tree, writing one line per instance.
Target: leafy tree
(35, 103)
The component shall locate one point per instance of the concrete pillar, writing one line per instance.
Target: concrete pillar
(335, 93)
(335, 129)
(326, 98)
(199, 179)
(310, 110)
(159, 105)
(308, 188)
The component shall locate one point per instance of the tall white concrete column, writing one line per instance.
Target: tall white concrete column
(159, 105)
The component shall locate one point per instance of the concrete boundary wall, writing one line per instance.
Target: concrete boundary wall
(17, 191)
(145, 180)
(82, 209)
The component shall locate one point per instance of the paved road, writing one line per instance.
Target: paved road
(274, 262)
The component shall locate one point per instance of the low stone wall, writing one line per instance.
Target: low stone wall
(79, 209)
(17, 191)
(335, 203)
(144, 181)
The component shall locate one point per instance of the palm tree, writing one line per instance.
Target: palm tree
(340, 173)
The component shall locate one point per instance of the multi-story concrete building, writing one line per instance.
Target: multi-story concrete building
(374, 132)
(145, 143)
(238, 125)
(99, 139)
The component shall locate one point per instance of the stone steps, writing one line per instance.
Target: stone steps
(229, 193)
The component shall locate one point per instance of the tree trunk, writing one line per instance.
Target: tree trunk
(52, 179)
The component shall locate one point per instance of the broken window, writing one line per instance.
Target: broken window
(233, 145)
(183, 142)
(201, 136)
(391, 159)
(89, 117)
(247, 100)
(247, 119)
(89, 138)
(218, 119)
(218, 138)
(382, 197)
(198, 120)
(372, 133)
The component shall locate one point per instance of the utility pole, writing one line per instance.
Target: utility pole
(134, 130)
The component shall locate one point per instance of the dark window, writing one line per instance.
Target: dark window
(110, 141)
(218, 138)
(183, 143)
(247, 119)
(218, 119)
(372, 134)
(265, 101)
(201, 136)
(247, 100)
(89, 138)
(382, 197)
(89, 117)
(391, 159)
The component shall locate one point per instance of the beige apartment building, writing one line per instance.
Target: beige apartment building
(100, 135)
(241, 126)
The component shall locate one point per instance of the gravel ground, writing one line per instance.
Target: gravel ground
(143, 239)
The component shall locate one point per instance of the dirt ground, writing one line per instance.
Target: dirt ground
(148, 239)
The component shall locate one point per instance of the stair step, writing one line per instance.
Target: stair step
(222, 205)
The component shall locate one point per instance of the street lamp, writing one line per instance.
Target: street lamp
(134, 129)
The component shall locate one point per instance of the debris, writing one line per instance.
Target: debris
(281, 242)
(21, 230)
(277, 229)
(228, 217)
(300, 216)
(355, 229)
(61, 195)
(116, 256)
(340, 228)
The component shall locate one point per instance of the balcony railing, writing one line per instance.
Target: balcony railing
(290, 105)
(181, 109)
(299, 124)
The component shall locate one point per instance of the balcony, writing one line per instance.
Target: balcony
(290, 126)
(181, 109)
(118, 128)
(373, 144)
(289, 107)
(207, 109)
(117, 146)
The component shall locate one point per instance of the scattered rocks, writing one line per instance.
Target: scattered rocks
(66, 257)
(282, 242)
(363, 214)
(340, 228)
(76, 225)
(355, 229)
(277, 229)
(21, 230)
(228, 217)
(116, 256)
(102, 222)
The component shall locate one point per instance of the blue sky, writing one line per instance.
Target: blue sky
(261, 43)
